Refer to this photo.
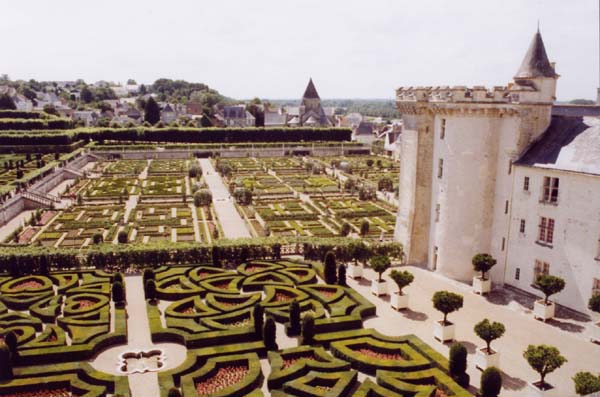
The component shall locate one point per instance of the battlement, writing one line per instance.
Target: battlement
(462, 94)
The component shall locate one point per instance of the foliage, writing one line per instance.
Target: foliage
(380, 264)
(489, 331)
(364, 228)
(269, 334)
(10, 339)
(483, 263)
(151, 111)
(258, 313)
(195, 171)
(330, 268)
(97, 237)
(308, 330)
(345, 230)
(544, 360)
(594, 303)
(174, 392)
(385, 184)
(5, 362)
(148, 275)
(491, 382)
(402, 278)
(122, 237)
(447, 302)
(294, 311)
(457, 364)
(150, 290)
(202, 198)
(341, 276)
(117, 292)
(549, 285)
(586, 383)
(7, 103)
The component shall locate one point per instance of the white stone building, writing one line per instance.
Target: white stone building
(462, 158)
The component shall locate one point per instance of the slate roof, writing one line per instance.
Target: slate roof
(569, 144)
(364, 128)
(311, 91)
(536, 63)
(576, 110)
(234, 112)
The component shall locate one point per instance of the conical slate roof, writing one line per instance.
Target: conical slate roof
(311, 91)
(536, 63)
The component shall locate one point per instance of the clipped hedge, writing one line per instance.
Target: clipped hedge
(7, 124)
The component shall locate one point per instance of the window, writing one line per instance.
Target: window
(598, 252)
(596, 286)
(522, 226)
(437, 212)
(550, 193)
(509, 167)
(503, 243)
(540, 268)
(435, 257)
(526, 184)
(443, 129)
(506, 207)
(440, 168)
(546, 227)
(518, 273)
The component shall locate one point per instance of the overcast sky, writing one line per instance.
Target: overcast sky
(269, 48)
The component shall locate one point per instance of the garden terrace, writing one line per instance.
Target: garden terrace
(262, 185)
(162, 222)
(112, 188)
(158, 167)
(163, 186)
(312, 184)
(129, 167)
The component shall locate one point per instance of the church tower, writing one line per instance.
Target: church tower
(311, 112)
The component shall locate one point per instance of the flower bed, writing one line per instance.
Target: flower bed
(42, 393)
(225, 377)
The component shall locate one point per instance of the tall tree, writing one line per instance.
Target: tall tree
(151, 111)
(6, 102)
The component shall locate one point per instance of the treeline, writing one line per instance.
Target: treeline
(175, 135)
(19, 114)
(25, 124)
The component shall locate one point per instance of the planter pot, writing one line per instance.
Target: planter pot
(399, 302)
(378, 288)
(484, 360)
(443, 333)
(481, 286)
(542, 311)
(533, 390)
(355, 271)
(596, 333)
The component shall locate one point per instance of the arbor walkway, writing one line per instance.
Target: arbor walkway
(231, 222)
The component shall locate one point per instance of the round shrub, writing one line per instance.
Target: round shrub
(586, 383)
(380, 264)
(122, 237)
(202, 197)
(483, 263)
(402, 278)
(594, 303)
(549, 285)
(447, 302)
(491, 382)
(345, 229)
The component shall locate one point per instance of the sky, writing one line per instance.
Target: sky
(270, 48)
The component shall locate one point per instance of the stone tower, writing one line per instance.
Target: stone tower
(457, 149)
(311, 111)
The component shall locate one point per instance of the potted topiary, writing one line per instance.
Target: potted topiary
(379, 264)
(359, 252)
(594, 305)
(402, 279)
(543, 359)
(549, 285)
(486, 357)
(446, 302)
(586, 383)
(482, 263)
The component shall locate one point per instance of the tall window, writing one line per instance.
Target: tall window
(440, 168)
(550, 190)
(546, 229)
(506, 207)
(598, 251)
(540, 268)
(503, 243)
(518, 273)
(443, 129)
(437, 212)
(522, 226)
(596, 286)
(526, 184)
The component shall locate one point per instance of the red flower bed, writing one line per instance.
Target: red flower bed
(46, 216)
(241, 323)
(31, 284)
(189, 310)
(440, 393)
(326, 292)
(225, 377)
(42, 393)
(378, 355)
(85, 303)
(222, 285)
(283, 297)
(26, 236)
(288, 362)
(255, 268)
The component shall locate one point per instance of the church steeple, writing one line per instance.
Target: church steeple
(536, 63)
(311, 91)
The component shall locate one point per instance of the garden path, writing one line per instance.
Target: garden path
(231, 222)
(568, 333)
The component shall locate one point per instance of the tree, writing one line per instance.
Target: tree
(491, 382)
(216, 256)
(50, 109)
(364, 228)
(122, 237)
(370, 163)
(148, 275)
(457, 364)
(7, 103)
(131, 82)
(447, 302)
(10, 339)
(194, 171)
(380, 264)
(294, 317)
(86, 95)
(97, 238)
(594, 303)
(174, 392)
(151, 111)
(150, 290)
(544, 360)
(483, 263)
(258, 313)
(549, 285)
(118, 278)
(586, 383)
(308, 330)
(345, 229)
(202, 197)
(118, 295)
(269, 334)
(329, 268)
(385, 184)
(489, 332)
(5, 363)
(341, 277)
(402, 279)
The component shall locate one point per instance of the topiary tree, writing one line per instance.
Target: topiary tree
(258, 313)
(148, 275)
(174, 392)
(202, 197)
(544, 360)
(10, 339)
(341, 276)
(586, 383)
(380, 264)
(118, 277)
(549, 285)
(364, 228)
(329, 268)
(97, 238)
(457, 364)
(491, 382)
(594, 303)
(402, 278)
(294, 318)
(122, 237)
(483, 263)
(308, 330)
(269, 334)
(150, 290)
(151, 111)
(447, 302)
(5, 363)
(488, 332)
(117, 292)
(345, 231)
